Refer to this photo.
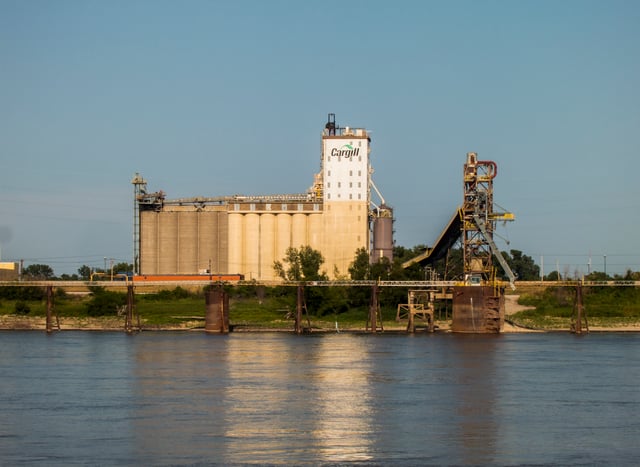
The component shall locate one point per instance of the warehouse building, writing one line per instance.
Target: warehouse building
(247, 234)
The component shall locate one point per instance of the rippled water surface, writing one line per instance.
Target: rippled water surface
(173, 398)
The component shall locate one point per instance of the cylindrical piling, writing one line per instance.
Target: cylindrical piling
(217, 311)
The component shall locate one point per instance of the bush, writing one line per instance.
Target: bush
(22, 308)
(61, 294)
(167, 295)
(104, 303)
(25, 293)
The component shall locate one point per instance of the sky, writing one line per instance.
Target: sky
(213, 98)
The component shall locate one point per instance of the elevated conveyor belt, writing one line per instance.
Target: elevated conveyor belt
(445, 241)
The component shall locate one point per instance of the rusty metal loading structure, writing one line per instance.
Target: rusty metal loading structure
(479, 219)
(478, 300)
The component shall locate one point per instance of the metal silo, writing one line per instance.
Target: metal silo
(382, 234)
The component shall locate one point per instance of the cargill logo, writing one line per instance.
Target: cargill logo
(347, 151)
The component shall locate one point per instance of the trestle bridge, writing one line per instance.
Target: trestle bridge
(422, 296)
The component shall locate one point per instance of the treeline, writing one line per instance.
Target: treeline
(308, 263)
(44, 272)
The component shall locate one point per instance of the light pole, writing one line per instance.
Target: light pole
(605, 265)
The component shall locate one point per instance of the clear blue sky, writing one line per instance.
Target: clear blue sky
(207, 98)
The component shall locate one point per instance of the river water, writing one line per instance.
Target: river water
(188, 398)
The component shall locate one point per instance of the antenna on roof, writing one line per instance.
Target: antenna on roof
(331, 124)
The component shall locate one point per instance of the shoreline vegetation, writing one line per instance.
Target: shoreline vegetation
(331, 309)
(251, 315)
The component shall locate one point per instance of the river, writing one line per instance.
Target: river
(188, 398)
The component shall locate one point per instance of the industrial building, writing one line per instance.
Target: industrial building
(9, 271)
(247, 234)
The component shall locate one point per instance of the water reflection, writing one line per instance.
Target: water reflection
(266, 399)
(341, 383)
(179, 412)
(301, 396)
(315, 399)
(194, 399)
(476, 393)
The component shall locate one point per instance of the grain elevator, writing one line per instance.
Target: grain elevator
(247, 234)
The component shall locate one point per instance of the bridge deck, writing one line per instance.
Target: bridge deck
(413, 284)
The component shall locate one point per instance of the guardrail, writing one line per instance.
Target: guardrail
(416, 284)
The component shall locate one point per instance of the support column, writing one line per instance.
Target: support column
(217, 311)
(579, 314)
(49, 325)
(299, 305)
(374, 311)
(128, 321)
(477, 309)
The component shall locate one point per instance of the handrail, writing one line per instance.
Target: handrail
(124, 284)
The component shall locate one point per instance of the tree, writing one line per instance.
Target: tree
(553, 276)
(38, 272)
(360, 268)
(67, 277)
(122, 267)
(84, 272)
(597, 276)
(381, 270)
(522, 266)
(301, 264)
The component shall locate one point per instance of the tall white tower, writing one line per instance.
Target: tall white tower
(346, 195)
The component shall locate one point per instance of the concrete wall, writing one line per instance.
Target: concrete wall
(345, 229)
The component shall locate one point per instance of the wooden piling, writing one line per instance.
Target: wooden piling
(374, 321)
(579, 314)
(49, 325)
(128, 321)
(299, 305)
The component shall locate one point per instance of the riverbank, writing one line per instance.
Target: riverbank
(194, 323)
(22, 323)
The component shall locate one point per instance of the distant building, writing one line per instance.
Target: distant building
(9, 271)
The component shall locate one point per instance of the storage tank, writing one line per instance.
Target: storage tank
(251, 247)
(283, 235)
(382, 234)
(299, 230)
(236, 236)
(267, 249)
(187, 235)
(168, 242)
